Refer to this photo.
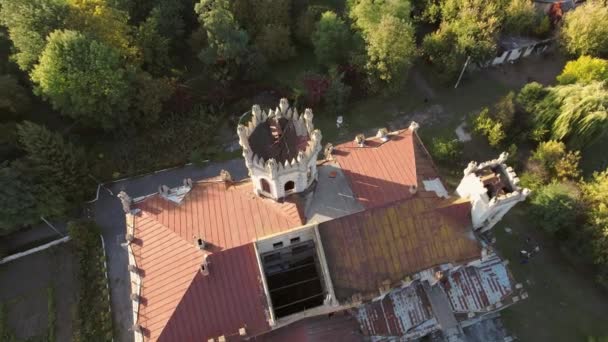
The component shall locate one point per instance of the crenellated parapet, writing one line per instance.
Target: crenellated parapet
(493, 189)
(280, 148)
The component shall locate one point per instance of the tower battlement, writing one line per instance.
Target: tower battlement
(280, 148)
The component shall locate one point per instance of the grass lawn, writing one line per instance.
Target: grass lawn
(564, 304)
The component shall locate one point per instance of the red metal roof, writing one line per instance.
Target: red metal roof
(380, 173)
(179, 303)
(224, 216)
(229, 298)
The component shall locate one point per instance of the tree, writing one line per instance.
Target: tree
(61, 163)
(17, 204)
(29, 22)
(367, 14)
(84, 78)
(556, 161)
(595, 199)
(504, 110)
(391, 51)
(227, 43)
(307, 22)
(468, 28)
(584, 70)
(331, 40)
(153, 47)
(556, 208)
(275, 43)
(14, 99)
(489, 127)
(446, 150)
(104, 22)
(584, 31)
(151, 95)
(520, 17)
(336, 96)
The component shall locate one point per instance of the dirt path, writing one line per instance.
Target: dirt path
(422, 84)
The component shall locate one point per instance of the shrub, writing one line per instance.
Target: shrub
(584, 70)
(446, 150)
(490, 128)
(584, 31)
(558, 162)
(91, 320)
(555, 208)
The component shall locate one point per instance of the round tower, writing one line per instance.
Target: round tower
(280, 149)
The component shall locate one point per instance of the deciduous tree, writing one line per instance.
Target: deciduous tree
(84, 78)
(584, 70)
(331, 39)
(29, 22)
(584, 31)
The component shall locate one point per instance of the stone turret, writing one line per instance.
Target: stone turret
(280, 149)
(493, 189)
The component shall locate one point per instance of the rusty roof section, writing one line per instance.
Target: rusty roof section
(178, 303)
(224, 214)
(340, 326)
(384, 172)
(381, 246)
(402, 311)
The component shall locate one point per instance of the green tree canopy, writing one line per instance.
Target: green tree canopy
(226, 41)
(18, 206)
(468, 28)
(556, 208)
(306, 23)
(29, 22)
(389, 38)
(391, 51)
(84, 78)
(331, 40)
(584, 70)
(520, 17)
(14, 99)
(584, 31)
(595, 199)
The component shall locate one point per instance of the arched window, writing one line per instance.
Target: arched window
(265, 185)
(289, 186)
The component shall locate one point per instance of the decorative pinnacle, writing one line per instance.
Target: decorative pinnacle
(283, 105)
(414, 126)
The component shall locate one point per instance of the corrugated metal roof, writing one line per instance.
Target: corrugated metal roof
(396, 313)
(365, 249)
(474, 289)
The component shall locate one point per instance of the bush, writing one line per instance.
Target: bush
(556, 161)
(584, 31)
(305, 24)
(584, 70)
(490, 128)
(91, 320)
(556, 209)
(446, 150)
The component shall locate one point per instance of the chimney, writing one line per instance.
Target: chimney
(188, 183)
(360, 139)
(225, 176)
(163, 190)
(242, 331)
(125, 200)
(329, 149)
(133, 269)
(413, 189)
(414, 126)
(205, 266)
(382, 134)
(201, 243)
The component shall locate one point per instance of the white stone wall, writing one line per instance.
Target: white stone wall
(302, 170)
(485, 211)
